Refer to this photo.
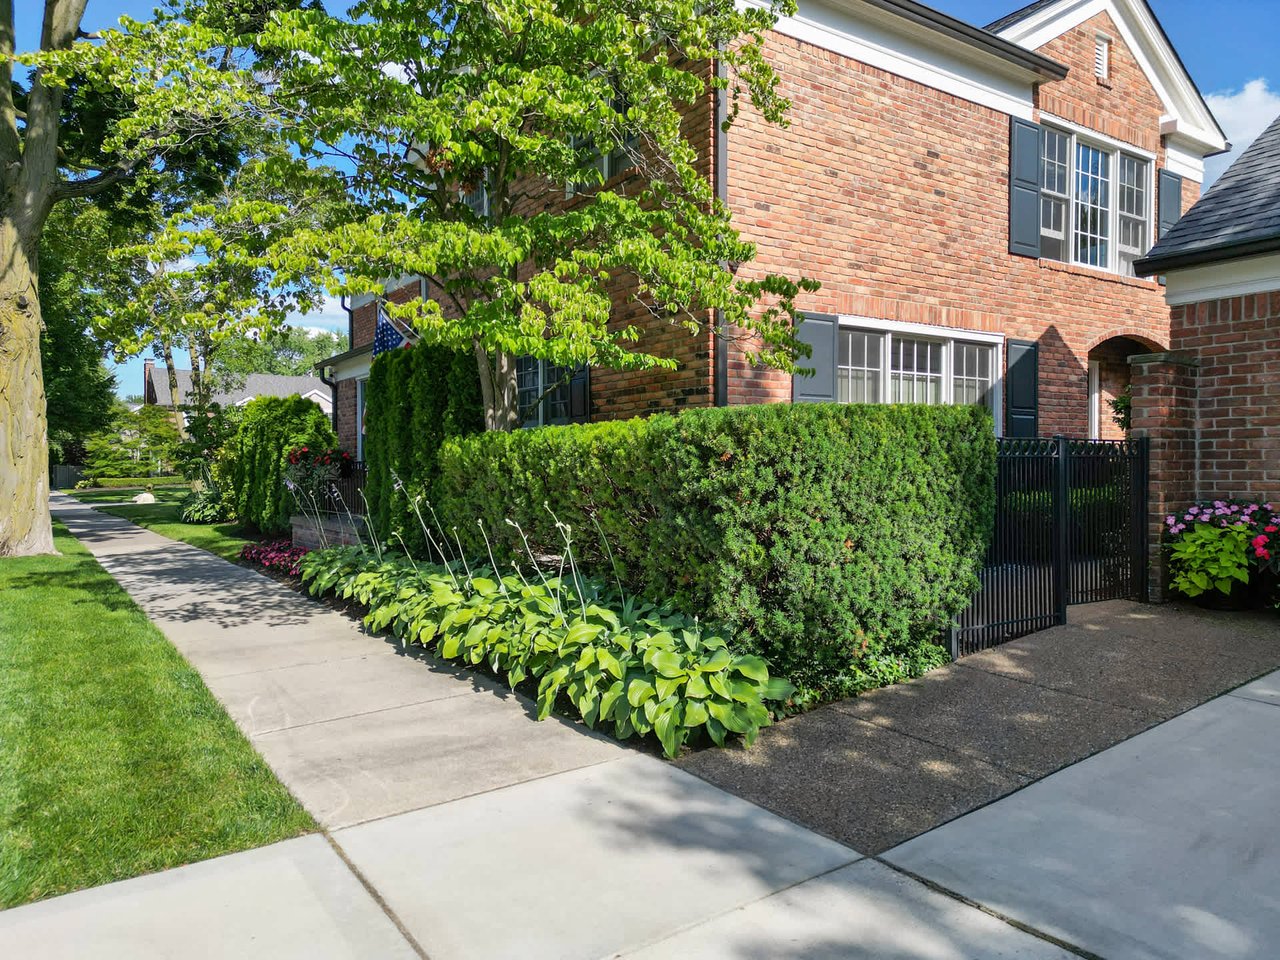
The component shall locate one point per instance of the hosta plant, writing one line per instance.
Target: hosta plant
(629, 666)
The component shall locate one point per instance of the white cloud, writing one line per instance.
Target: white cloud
(327, 316)
(1244, 114)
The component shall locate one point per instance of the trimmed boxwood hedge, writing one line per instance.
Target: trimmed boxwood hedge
(270, 428)
(826, 537)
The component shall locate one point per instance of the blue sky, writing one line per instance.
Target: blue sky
(1232, 56)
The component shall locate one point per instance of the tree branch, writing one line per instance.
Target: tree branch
(71, 189)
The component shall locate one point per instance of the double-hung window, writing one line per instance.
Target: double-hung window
(609, 164)
(542, 390)
(1095, 202)
(905, 364)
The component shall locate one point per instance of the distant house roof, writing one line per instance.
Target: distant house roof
(252, 385)
(1238, 217)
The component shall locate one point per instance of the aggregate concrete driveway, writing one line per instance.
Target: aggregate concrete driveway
(455, 827)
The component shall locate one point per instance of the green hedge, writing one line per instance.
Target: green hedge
(416, 398)
(119, 482)
(270, 428)
(825, 537)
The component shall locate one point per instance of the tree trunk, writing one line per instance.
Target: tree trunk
(498, 389)
(25, 525)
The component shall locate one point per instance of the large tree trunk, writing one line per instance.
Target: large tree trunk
(25, 525)
(166, 354)
(498, 389)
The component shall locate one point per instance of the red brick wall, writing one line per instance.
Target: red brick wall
(344, 412)
(1164, 411)
(364, 318)
(895, 196)
(1237, 345)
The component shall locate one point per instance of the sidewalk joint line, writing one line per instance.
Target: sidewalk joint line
(362, 713)
(1026, 928)
(377, 897)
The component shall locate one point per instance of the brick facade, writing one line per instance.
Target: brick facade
(1212, 408)
(895, 196)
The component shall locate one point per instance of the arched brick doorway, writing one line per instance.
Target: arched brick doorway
(1109, 382)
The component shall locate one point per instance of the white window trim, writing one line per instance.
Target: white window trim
(1095, 400)
(1102, 57)
(362, 385)
(1076, 134)
(938, 334)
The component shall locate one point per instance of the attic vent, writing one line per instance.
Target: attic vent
(1102, 57)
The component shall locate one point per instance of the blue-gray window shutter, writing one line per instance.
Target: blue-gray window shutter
(820, 334)
(580, 395)
(1024, 188)
(1168, 204)
(1170, 201)
(1022, 389)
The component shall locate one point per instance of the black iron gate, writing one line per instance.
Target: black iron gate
(1070, 527)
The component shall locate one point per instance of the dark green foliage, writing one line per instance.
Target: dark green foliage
(136, 443)
(836, 540)
(416, 399)
(270, 428)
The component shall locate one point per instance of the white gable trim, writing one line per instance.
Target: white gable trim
(906, 50)
(1188, 117)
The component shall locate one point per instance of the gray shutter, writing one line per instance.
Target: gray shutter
(1170, 197)
(1022, 389)
(1024, 188)
(820, 334)
(580, 395)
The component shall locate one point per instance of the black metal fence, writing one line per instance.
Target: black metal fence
(347, 494)
(1070, 527)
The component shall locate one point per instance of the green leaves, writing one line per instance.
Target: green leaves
(658, 673)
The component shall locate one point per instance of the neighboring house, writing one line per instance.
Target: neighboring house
(972, 201)
(1220, 384)
(253, 385)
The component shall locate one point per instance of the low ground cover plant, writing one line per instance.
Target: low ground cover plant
(279, 555)
(1224, 546)
(623, 664)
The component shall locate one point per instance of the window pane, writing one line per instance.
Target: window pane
(971, 373)
(555, 380)
(1053, 228)
(1092, 206)
(528, 390)
(915, 371)
(858, 366)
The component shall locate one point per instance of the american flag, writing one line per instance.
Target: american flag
(387, 335)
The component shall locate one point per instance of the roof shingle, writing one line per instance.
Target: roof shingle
(1239, 216)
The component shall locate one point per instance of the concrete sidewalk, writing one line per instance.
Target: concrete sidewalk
(457, 827)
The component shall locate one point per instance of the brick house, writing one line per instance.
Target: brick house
(971, 199)
(1211, 403)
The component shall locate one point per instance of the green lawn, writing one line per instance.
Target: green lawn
(121, 494)
(224, 539)
(115, 760)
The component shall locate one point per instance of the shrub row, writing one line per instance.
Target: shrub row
(635, 667)
(416, 399)
(837, 541)
(114, 483)
(252, 479)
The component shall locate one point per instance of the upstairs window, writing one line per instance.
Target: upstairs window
(1095, 203)
(611, 164)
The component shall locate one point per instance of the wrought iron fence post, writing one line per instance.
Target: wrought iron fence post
(1140, 517)
(1061, 524)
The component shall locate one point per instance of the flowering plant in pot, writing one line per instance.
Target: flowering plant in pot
(1224, 553)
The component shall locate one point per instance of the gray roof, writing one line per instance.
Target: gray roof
(1238, 217)
(1008, 20)
(246, 388)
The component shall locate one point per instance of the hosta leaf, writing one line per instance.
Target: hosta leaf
(450, 646)
(752, 667)
(697, 687)
(716, 730)
(609, 698)
(670, 731)
(639, 690)
(666, 687)
(667, 664)
(777, 689)
(609, 662)
(717, 661)
(695, 713)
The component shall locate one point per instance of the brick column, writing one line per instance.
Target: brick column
(1164, 410)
